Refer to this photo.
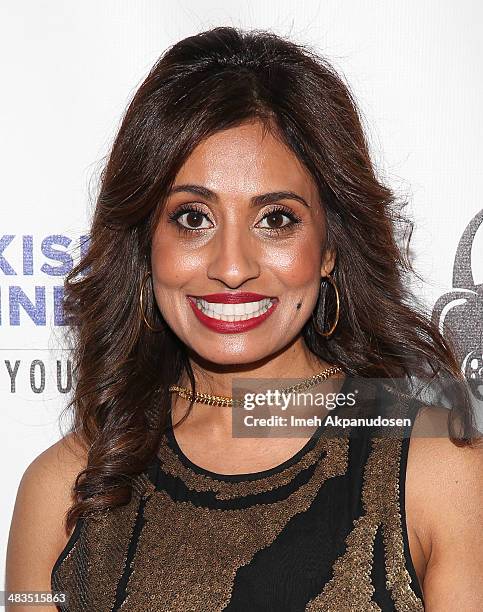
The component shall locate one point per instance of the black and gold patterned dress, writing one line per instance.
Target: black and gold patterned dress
(325, 530)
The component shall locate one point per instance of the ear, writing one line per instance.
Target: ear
(328, 262)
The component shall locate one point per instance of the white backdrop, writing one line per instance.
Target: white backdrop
(69, 69)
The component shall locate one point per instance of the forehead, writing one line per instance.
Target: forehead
(245, 160)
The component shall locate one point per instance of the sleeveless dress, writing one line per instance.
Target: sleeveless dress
(324, 531)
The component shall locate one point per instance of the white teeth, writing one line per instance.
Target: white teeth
(234, 312)
(239, 309)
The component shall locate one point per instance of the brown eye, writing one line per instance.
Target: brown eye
(194, 219)
(275, 219)
(190, 218)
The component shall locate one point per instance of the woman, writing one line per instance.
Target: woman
(188, 284)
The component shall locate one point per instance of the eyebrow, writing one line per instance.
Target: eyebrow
(258, 200)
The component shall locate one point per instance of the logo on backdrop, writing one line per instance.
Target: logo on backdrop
(460, 311)
(24, 257)
(32, 269)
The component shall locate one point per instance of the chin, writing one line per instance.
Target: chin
(226, 357)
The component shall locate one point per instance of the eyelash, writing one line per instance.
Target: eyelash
(186, 208)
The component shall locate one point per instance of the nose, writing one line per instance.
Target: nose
(234, 258)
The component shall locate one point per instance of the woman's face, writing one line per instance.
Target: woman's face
(243, 216)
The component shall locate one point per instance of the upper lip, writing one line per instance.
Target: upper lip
(232, 298)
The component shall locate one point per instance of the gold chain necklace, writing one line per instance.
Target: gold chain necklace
(222, 400)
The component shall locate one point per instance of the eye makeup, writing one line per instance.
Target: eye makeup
(275, 210)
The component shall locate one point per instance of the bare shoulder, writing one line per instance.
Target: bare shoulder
(444, 499)
(57, 464)
(432, 455)
(37, 531)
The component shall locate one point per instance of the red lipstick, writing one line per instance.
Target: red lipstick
(231, 327)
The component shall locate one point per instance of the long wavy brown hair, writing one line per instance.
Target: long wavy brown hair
(209, 82)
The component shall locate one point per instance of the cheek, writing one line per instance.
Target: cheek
(171, 263)
(299, 265)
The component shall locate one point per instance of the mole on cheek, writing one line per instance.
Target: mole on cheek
(299, 305)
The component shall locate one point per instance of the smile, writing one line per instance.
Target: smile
(234, 312)
(232, 317)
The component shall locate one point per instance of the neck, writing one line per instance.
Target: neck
(294, 362)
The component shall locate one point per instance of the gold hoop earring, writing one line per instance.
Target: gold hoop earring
(337, 308)
(141, 306)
